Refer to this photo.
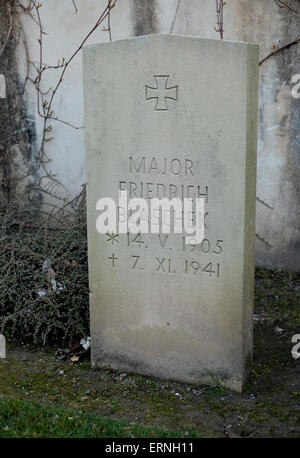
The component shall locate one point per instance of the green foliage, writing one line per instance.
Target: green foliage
(44, 282)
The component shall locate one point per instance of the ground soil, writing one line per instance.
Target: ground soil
(268, 407)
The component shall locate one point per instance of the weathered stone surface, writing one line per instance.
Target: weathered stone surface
(158, 306)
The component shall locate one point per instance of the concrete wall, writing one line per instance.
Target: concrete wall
(261, 21)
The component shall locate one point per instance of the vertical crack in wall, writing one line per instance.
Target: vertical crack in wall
(144, 17)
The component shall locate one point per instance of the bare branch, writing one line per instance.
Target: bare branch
(75, 7)
(220, 19)
(108, 24)
(264, 203)
(279, 50)
(175, 16)
(48, 114)
(263, 240)
(2, 47)
(282, 4)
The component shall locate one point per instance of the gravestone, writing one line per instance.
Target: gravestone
(173, 116)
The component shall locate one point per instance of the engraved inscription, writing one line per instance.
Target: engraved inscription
(112, 238)
(161, 92)
(113, 260)
(204, 259)
(161, 166)
(169, 257)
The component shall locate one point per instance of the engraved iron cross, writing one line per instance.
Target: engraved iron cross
(161, 92)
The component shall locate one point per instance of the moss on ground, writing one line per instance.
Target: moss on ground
(269, 406)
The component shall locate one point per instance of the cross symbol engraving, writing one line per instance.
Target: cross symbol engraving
(113, 259)
(161, 92)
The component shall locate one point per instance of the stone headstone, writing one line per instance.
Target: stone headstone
(2, 346)
(173, 116)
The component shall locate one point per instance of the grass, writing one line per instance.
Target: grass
(27, 419)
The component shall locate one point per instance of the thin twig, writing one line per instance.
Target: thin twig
(279, 50)
(264, 203)
(108, 22)
(220, 18)
(175, 16)
(48, 112)
(285, 5)
(263, 240)
(8, 33)
(47, 183)
(75, 7)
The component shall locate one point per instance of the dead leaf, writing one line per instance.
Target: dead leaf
(50, 275)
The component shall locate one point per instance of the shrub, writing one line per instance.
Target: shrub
(44, 282)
